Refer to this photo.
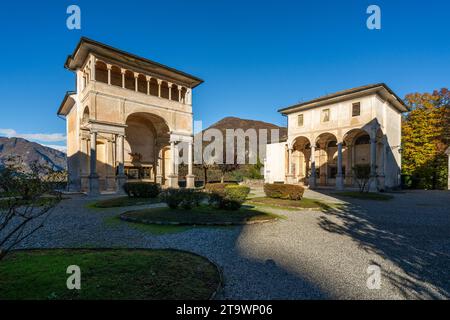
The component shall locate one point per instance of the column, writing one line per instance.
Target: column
(159, 88)
(148, 84)
(94, 61)
(188, 96)
(122, 71)
(290, 175)
(170, 90)
(159, 163)
(179, 93)
(339, 176)
(121, 178)
(373, 163)
(348, 167)
(108, 66)
(136, 76)
(173, 178)
(382, 171)
(190, 178)
(312, 177)
(93, 177)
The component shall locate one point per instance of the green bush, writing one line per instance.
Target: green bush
(181, 198)
(284, 191)
(230, 197)
(142, 189)
(217, 187)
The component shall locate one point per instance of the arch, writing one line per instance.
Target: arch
(174, 93)
(300, 142)
(101, 72)
(325, 138)
(86, 116)
(164, 90)
(142, 84)
(183, 95)
(129, 80)
(116, 76)
(154, 87)
(141, 155)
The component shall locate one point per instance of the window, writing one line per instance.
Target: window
(356, 109)
(325, 115)
(300, 120)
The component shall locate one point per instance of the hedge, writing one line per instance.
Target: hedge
(142, 189)
(230, 197)
(284, 191)
(181, 198)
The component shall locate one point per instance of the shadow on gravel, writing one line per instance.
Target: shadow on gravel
(410, 242)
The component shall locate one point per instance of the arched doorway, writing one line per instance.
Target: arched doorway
(326, 158)
(146, 139)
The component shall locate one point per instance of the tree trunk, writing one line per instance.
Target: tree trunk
(205, 173)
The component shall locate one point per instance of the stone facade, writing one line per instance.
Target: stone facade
(329, 135)
(126, 119)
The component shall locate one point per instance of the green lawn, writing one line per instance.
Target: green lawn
(107, 274)
(202, 215)
(365, 195)
(304, 203)
(155, 229)
(123, 202)
(41, 202)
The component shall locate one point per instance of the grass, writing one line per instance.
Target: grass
(304, 203)
(40, 202)
(124, 201)
(107, 274)
(365, 195)
(154, 229)
(202, 215)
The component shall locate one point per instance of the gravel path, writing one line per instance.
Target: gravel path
(309, 255)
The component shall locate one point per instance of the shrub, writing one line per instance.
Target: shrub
(361, 173)
(142, 189)
(184, 198)
(230, 197)
(217, 187)
(284, 191)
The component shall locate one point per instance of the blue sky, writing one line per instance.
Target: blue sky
(255, 56)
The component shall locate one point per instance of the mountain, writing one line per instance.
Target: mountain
(238, 123)
(31, 152)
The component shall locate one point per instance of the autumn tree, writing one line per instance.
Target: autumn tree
(425, 137)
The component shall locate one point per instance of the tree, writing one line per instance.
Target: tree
(28, 198)
(426, 130)
(362, 175)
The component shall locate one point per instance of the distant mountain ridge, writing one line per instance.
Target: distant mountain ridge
(245, 124)
(31, 152)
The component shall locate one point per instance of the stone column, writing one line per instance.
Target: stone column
(93, 176)
(373, 163)
(148, 84)
(159, 161)
(122, 71)
(290, 175)
(190, 178)
(170, 90)
(312, 177)
(159, 87)
(348, 167)
(339, 176)
(121, 178)
(136, 78)
(179, 93)
(108, 66)
(173, 178)
(382, 170)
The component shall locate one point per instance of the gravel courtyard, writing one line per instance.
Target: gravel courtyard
(308, 255)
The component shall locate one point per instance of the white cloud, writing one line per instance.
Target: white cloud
(55, 146)
(43, 137)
